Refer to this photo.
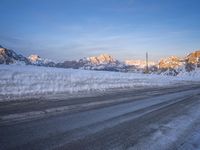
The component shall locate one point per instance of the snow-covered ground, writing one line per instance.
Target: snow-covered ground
(19, 81)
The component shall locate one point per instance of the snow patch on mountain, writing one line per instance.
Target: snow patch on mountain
(37, 60)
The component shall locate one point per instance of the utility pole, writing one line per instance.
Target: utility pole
(147, 67)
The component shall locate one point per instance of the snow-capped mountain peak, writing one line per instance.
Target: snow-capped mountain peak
(170, 62)
(34, 58)
(37, 60)
(101, 59)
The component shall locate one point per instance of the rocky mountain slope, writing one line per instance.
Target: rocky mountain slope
(171, 62)
(101, 62)
(176, 62)
(193, 58)
(174, 65)
(8, 56)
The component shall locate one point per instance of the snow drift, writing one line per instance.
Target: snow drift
(18, 81)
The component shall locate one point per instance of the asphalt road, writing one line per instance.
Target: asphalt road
(159, 118)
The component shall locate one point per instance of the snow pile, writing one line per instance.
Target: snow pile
(33, 80)
(190, 76)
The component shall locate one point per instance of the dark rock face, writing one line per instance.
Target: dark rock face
(71, 64)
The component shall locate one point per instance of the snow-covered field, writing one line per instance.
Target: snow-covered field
(18, 81)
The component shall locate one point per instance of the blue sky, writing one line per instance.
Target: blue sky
(126, 29)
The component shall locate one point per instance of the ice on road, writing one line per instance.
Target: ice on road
(164, 118)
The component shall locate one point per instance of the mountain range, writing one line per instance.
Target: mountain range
(106, 62)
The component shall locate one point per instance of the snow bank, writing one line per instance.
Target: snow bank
(190, 76)
(18, 80)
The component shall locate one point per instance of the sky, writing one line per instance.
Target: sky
(126, 29)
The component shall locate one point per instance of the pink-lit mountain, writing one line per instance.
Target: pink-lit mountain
(106, 62)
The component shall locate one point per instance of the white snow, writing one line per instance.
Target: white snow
(18, 81)
(190, 76)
